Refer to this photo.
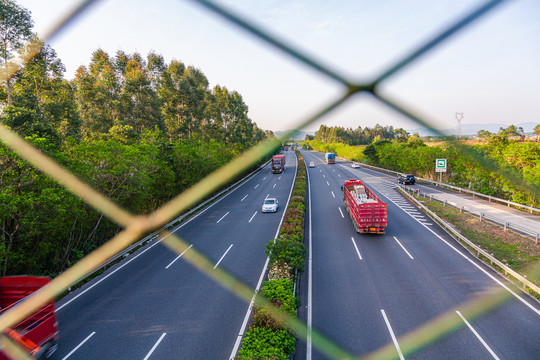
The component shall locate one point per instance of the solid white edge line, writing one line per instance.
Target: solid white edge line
(178, 257)
(244, 197)
(392, 335)
(478, 336)
(215, 266)
(78, 346)
(341, 212)
(310, 280)
(356, 247)
(154, 347)
(395, 238)
(252, 217)
(217, 222)
(261, 277)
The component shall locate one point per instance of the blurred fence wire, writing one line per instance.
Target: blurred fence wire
(135, 227)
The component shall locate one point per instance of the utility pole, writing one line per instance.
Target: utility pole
(459, 117)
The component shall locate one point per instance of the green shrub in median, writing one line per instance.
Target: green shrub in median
(267, 338)
(262, 343)
(288, 250)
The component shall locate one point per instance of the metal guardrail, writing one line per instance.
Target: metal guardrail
(507, 270)
(179, 219)
(502, 222)
(456, 188)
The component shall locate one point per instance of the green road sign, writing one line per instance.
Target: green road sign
(440, 165)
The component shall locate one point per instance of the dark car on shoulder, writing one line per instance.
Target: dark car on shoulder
(406, 179)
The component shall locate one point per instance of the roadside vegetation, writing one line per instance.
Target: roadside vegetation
(469, 166)
(139, 130)
(267, 337)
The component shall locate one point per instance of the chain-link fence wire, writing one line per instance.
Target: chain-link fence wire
(136, 227)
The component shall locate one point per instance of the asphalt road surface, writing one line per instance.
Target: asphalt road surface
(368, 290)
(154, 305)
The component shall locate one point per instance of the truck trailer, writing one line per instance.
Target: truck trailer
(278, 163)
(330, 158)
(368, 213)
(37, 335)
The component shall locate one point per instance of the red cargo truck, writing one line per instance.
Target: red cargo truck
(37, 334)
(278, 163)
(368, 213)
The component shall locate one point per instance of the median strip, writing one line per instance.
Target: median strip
(268, 336)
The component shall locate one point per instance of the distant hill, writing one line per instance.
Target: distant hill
(472, 129)
(300, 136)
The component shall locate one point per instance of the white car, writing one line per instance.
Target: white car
(270, 205)
(355, 165)
(311, 164)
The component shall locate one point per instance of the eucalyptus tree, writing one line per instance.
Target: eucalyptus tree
(139, 102)
(40, 86)
(15, 28)
(184, 95)
(97, 90)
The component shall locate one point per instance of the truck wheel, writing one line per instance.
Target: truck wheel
(51, 350)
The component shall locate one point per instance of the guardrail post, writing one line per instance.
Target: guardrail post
(536, 239)
(505, 226)
(481, 216)
(460, 209)
(444, 203)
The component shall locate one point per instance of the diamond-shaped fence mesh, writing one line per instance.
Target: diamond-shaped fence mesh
(135, 227)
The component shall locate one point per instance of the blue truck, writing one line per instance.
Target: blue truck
(330, 158)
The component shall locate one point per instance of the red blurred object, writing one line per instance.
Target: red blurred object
(37, 334)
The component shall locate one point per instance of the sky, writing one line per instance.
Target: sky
(490, 72)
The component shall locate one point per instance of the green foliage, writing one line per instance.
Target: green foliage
(358, 136)
(281, 293)
(15, 28)
(289, 250)
(262, 343)
(472, 167)
(353, 152)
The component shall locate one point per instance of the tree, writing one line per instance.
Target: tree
(139, 102)
(97, 90)
(15, 28)
(537, 131)
(483, 134)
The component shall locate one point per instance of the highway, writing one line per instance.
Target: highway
(368, 290)
(154, 305)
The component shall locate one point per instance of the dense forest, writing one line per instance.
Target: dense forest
(139, 130)
(507, 150)
(358, 136)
